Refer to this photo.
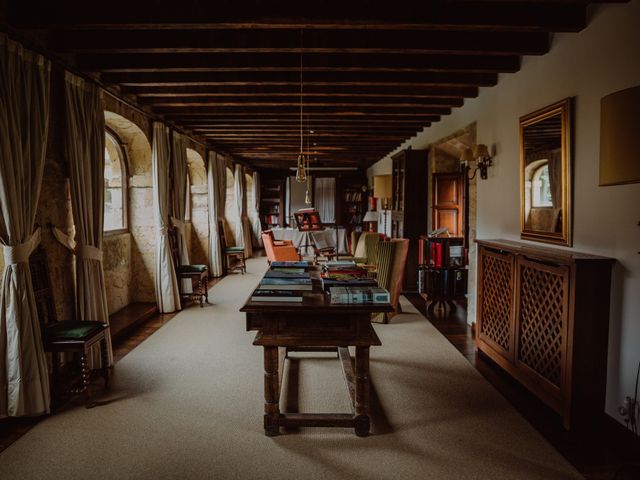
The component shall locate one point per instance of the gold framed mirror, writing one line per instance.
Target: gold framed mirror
(545, 174)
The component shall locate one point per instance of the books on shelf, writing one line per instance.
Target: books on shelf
(272, 218)
(359, 295)
(274, 295)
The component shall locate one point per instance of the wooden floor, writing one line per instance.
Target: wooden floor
(610, 455)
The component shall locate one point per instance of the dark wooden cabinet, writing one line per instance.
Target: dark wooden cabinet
(272, 208)
(409, 206)
(352, 202)
(543, 316)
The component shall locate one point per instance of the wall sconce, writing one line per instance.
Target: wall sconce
(480, 155)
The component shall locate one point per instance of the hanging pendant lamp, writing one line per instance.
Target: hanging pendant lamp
(301, 170)
(307, 195)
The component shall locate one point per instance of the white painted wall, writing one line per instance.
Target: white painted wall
(603, 58)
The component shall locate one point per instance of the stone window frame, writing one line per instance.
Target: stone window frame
(124, 165)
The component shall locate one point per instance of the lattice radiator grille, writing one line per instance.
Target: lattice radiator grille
(497, 294)
(541, 327)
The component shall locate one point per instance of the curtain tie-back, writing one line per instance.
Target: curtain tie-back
(89, 252)
(20, 253)
(179, 224)
(66, 240)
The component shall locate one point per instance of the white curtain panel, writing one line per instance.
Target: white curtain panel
(84, 143)
(217, 195)
(256, 226)
(324, 196)
(24, 119)
(243, 228)
(166, 283)
(179, 165)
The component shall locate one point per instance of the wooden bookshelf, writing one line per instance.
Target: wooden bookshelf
(272, 208)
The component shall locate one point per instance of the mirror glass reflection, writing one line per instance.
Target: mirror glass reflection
(545, 174)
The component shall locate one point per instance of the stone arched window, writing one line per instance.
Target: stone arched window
(115, 185)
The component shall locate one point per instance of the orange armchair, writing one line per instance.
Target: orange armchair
(278, 253)
(277, 243)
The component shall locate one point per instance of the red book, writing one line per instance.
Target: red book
(436, 255)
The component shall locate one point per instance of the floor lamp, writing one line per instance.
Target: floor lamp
(382, 190)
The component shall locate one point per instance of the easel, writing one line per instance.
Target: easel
(308, 221)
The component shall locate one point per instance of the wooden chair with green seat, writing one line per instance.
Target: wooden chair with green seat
(72, 336)
(234, 258)
(197, 274)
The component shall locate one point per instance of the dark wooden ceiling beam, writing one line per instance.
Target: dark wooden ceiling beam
(310, 90)
(366, 131)
(346, 110)
(283, 62)
(405, 14)
(313, 78)
(294, 101)
(288, 41)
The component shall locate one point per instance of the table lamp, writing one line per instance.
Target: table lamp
(371, 217)
(382, 190)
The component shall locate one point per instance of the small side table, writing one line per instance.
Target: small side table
(235, 259)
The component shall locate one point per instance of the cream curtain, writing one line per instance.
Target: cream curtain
(256, 226)
(24, 119)
(166, 283)
(217, 196)
(179, 164)
(84, 142)
(243, 228)
(324, 196)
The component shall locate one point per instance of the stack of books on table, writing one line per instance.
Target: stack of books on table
(359, 295)
(284, 282)
(345, 274)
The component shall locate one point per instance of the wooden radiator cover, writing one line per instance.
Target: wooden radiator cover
(543, 316)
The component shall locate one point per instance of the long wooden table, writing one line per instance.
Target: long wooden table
(315, 325)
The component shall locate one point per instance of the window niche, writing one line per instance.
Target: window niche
(115, 185)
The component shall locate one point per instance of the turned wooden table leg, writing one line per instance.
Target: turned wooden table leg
(362, 421)
(271, 392)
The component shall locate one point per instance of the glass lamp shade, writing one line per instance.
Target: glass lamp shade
(301, 171)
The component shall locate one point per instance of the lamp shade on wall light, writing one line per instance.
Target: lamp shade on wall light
(619, 128)
(382, 186)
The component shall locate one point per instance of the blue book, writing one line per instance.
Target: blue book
(286, 273)
(302, 264)
(285, 281)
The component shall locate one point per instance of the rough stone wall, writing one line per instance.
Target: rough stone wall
(198, 231)
(117, 270)
(199, 225)
(133, 128)
(143, 242)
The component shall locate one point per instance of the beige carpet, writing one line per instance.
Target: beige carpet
(187, 403)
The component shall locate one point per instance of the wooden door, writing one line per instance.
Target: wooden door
(448, 203)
